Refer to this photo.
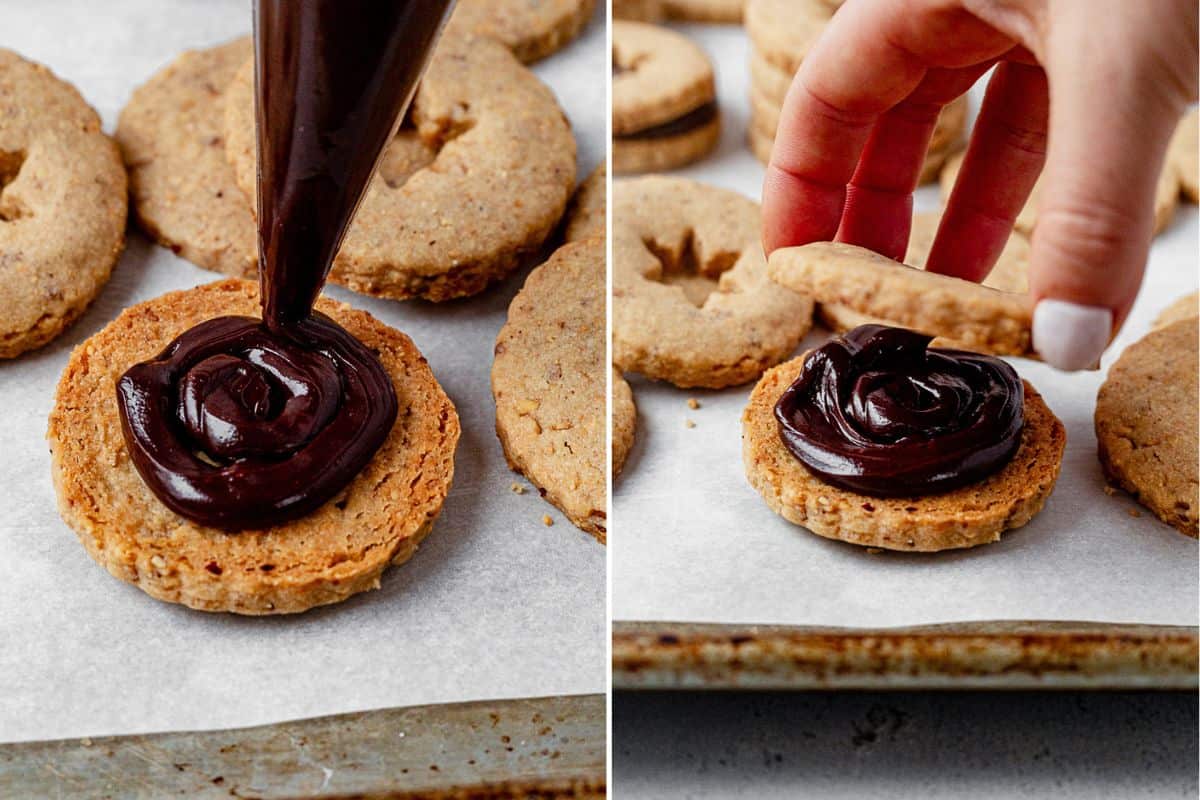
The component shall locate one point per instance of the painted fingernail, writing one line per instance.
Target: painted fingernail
(1070, 336)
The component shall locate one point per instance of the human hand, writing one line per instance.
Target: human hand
(861, 110)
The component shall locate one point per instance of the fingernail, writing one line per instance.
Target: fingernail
(1070, 336)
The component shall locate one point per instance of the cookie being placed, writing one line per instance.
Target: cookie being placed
(1184, 154)
(340, 549)
(971, 515)
(477, 183)
(1010, 274)
(588, 213)
(664, 109)
(971, 316)
(692, 303)
(548, 382)
(1186, 307)
(62, 205)
(1146, 424)
(624, 421)
(531, 29)
(1166, 196)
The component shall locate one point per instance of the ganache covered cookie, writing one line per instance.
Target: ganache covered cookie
(877, 439)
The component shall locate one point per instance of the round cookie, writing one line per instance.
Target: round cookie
(339, 550)
(1184, 154)
(975, 317)
(548, 382)
(719, 11)
(172, 138)
(1146, 424)
(1186, 307)
(691, 301)
(62, 205)
(966, 517)
(478, 183)
(1010, 274)
(624, 421)
(588, 213)
(1166, 196)
(664, 112)
(531, 29)
(784, 31)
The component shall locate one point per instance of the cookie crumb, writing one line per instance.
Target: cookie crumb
(86, 742)
(693, 403)
(547, 520)
(517, 488)
(1133, 512)
(874, 551)
(1108, 490)
(687, 423)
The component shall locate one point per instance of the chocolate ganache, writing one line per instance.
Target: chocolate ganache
(878, 411)
(244, 423)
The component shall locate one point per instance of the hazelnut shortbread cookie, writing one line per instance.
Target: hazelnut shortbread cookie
(531, 29)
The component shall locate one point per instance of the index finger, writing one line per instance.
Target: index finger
(871, 57)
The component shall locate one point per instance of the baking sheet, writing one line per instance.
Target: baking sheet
(494, 605)
(692, 541)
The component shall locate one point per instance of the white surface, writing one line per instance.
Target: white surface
(693, 541)
(494, 605)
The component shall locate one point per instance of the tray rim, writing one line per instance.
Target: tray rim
(982, 655)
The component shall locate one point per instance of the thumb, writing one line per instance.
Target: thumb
(1110, 123)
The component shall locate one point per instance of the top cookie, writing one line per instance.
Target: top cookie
(692, 303)
(62, 205)
(784, 31)
(659, 76)
(531, 29)
(548, 381)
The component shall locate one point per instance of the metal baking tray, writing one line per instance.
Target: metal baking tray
(974, 655)
(537, 747)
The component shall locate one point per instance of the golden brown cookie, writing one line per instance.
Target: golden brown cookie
(639, 10)
(1166, 196)
(692, 303)
(784, 31)
(719, 11)
(966, 517)
(477, 183)
(1010, 274)
(1146, 424)
(974, 317)
(1186, 307)
(664, 111)
(548, 381)
(624, 421)
(62, 205)
(1184, 154)
(338, 550)
(531, 29)
(588, 213)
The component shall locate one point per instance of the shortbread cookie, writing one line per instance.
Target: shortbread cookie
(531, 29)
(974, 317)
(1186, 307)
(624, 421)
(719, 11)
(62, 205)
(664, 111)
(692, 303)
(338, 550)
(1184, 154)
(548, 381)
(1146, 424)
(639, 10)
(1010, 274)
(768, 80)
(1166, 196)
(784, 31)
(478, 183)
(588, 213)
(965, 517)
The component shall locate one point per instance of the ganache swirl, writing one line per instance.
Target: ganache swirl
(877, 411)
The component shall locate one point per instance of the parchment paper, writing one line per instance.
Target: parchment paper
(494, 605)
(694, 542)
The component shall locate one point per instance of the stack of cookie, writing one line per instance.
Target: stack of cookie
(782, 32)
